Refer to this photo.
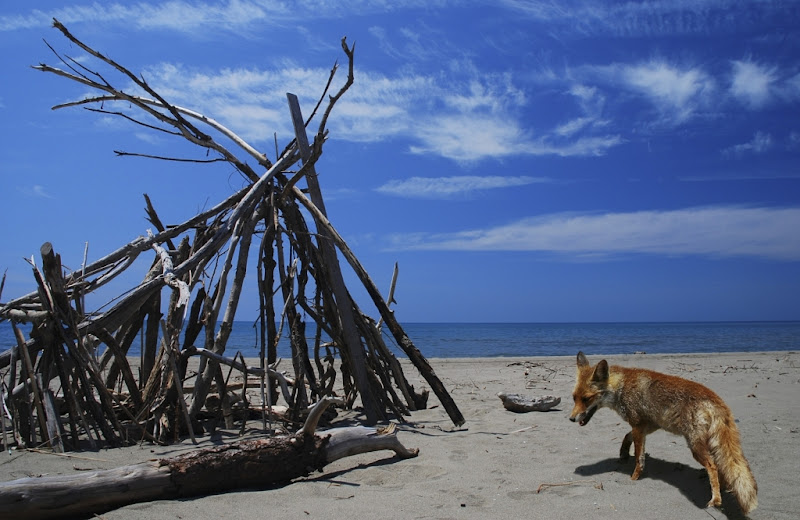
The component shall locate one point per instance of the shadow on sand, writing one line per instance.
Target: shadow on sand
(691, 482)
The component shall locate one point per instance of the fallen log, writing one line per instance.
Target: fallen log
(246, 464)
(520, 403)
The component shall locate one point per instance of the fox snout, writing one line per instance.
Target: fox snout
(583, 417)
(590, 386)
(582, 413)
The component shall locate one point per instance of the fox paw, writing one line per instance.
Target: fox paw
(715, 502)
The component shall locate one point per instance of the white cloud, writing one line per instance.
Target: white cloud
(752, 83)
(760, 143)
(250, 102)
(573, 126)
(465, 119)
(793, 141)
(676, 92)
(384, 42)
(469, 137)
(582, 147)
(37, 190)
(184, 16)
(446, 187)
(793, 87)
(653, 18)
(591, 103)
(769, 233)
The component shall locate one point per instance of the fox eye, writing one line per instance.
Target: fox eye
(585, 400)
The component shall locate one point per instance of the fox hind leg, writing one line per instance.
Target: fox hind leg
(625, 449)
(701, 454)
(638, 435)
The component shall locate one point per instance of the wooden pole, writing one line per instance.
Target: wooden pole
(394, 326)
(345, 307)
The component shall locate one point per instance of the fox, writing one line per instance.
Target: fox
(650, 401)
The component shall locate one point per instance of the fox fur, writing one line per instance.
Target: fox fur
(649, 401)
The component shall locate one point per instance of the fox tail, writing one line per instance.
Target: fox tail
(733, 466)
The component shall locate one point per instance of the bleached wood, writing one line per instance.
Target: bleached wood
(253, 463)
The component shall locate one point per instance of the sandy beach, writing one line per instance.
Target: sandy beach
(502, 464)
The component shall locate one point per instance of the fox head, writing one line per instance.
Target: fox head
(590, 386)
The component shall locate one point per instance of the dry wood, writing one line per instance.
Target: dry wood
(403, 341)
(245, 464)
(343, 303)
(198, 285)
(521, 404)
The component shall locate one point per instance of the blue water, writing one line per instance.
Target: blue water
(444, 340)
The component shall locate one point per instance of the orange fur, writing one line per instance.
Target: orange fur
(649, 401)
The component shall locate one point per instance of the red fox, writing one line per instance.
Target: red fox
(650, 400)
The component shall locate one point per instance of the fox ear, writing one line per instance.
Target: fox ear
(582, 361)
(600, 372)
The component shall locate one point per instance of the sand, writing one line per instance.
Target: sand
(502, 464)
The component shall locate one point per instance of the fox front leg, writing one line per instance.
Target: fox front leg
(638, 451)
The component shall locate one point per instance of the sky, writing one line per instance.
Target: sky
(521, 161)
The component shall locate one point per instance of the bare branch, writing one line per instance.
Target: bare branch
(350, 52)
(120, 153)
(132, 120)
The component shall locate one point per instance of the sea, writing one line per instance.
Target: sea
(453, 340)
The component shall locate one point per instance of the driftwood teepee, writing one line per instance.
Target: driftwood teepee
(54, 383)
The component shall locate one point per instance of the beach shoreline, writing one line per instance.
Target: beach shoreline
(506, 464)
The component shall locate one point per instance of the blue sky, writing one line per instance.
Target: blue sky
(520, 160)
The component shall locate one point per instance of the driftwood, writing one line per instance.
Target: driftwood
(520, 403)
(196, 277)
(245, 464)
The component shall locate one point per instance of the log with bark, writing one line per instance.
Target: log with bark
(246, 464)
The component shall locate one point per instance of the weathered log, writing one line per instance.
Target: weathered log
(520, 403)
(247, 464)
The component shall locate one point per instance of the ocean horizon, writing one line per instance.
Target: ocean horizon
(454, 339)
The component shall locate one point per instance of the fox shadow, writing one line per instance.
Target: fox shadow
(691, 482)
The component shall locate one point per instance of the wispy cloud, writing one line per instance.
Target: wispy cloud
(676, 92)
(752, 83)
(717, 232)
(461, 111)
(418, 44)
(793, 141)
(468, 117)
(37, 190)
(657, 18)
(760, 143)
(652, 93)
(448, 187)
(581, 18)
(184, 16)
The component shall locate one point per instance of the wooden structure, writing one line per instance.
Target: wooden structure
(58, 390)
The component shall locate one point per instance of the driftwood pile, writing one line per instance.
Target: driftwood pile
(70, 380)
(247, 464)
